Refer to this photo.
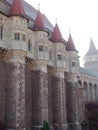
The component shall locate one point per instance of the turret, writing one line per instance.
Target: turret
(73, 56)
(41, 35)
(59, 44)
(91, 57)
(17, 26)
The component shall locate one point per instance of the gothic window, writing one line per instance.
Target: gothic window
(1, 32)
(17, 36)
(41, 49)
(29, 45)
(59, 57)
(73, 64)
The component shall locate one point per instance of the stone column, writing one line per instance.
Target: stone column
(59, 103)
(15, 90)
(73, 106)
(40, 94)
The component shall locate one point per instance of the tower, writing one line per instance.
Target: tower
(72, 86)
(15, 67)
(91, 57)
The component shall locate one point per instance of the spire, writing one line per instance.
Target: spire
(56, 35)
(70, 44)
(92, 49)
(17, 9)
(39, 24)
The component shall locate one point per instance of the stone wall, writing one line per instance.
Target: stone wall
(15, 96)
(3, 87)
(28, 98)
(73, 117)
(39, 98)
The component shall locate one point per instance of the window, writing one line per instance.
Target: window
(1, 32)
(29, 45)
(23, 38)
(59, 57)
(73, 64)
(17, 36)
(41, 48)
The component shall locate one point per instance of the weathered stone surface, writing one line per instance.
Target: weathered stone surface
(28, 98)
(15, 96)
(59, 103)
(73, 106)
(2, 93)
(40, 98)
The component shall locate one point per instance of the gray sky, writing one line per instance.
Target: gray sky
(78, 15)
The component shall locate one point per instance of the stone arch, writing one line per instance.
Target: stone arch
(80, 82)
(96, 92)
(91, 92)
(85, 88)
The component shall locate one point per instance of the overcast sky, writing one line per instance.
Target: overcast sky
(81, 16)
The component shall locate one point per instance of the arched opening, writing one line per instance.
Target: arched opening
(96, 92)
(85, 88)
(91, 95)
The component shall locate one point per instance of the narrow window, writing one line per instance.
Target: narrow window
(17, 36)
(29, 45)
(73, 64)
(1, 32)
(41, 48)
(59, 57)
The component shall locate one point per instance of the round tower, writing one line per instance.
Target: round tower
(91, 57)
(73, 56)
(15, 67)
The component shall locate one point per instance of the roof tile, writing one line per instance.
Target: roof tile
(17, 9)
(39, 24)
(56, 35)
(70, 44)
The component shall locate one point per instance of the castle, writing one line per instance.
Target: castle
(40, 76)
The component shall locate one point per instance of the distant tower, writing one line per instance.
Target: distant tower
(91, 57)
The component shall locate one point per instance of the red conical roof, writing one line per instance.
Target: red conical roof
(56, 35)
(39, 24)
(70, 44)
(17, 9)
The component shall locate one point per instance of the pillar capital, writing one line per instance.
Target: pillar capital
(39, 65)
(59, 72)
(15, 56)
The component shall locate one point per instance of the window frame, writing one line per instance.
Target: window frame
(16, 36)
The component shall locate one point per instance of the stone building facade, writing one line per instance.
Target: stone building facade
(40, 76)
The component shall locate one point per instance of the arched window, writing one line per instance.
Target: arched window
(29, 45)
(1, 32)
(80, 83)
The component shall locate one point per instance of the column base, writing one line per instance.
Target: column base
(60, 127)
(39, 127)
(74, 126)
